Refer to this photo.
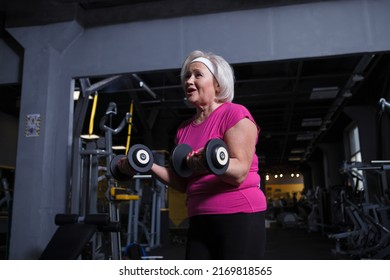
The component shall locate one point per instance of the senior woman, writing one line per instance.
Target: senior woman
(226, 212)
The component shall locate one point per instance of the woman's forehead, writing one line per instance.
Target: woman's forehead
(197, 66)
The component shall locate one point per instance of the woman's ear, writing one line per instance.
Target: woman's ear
(217, 88)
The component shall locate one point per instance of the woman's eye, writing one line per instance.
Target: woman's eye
(196, 75)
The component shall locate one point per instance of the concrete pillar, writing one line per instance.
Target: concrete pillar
(42, 162)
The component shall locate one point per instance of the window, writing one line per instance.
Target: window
(355, 154)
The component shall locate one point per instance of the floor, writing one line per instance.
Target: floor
(282, 244)
(298, 244)
(291, 243)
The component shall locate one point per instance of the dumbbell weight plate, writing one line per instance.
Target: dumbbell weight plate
(140, 158)
(119, 176)
(216, 156)
(179, 160)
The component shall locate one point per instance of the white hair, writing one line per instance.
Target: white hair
(223, 73)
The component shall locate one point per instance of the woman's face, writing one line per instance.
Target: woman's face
(200, 85)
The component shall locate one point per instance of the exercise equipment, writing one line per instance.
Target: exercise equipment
(93, 112)
(5, 213)
(129, 126)
(94, 190)
(139, 158)
(367, 225)
(215, 155)
(144, 214)
(366, 233)
(383, 106)
(71, 239)
(4, 187)
(91, 157)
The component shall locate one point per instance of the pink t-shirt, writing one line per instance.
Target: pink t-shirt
(208, 194)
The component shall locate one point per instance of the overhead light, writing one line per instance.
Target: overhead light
(324, 93)
(297, 151)
(311, 122)
(307, 136)
(294, 158)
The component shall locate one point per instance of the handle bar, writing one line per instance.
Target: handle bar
(112, 110)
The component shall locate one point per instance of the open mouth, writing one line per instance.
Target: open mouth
(190, 91)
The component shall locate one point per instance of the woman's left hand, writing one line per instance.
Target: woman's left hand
(196, 162)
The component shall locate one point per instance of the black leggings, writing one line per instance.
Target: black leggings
(238, 236)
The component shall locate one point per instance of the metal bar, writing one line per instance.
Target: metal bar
(101, 84)
(145, 86)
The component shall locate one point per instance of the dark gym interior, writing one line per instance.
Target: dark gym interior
(314, 75)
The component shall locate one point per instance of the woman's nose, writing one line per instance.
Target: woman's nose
(190, 80)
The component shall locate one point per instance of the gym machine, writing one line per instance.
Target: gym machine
(367, 233)
(6, 200)
(71, 239)
(5, 214)
(91, 226)
(367, 230)
(144, 214)
(84, 197)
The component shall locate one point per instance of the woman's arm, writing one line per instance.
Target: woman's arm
(241, 140)
(169, 177)
(162, 173)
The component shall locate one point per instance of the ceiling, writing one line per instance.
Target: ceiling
(297, 103)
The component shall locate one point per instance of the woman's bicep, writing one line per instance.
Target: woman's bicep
(241, 140)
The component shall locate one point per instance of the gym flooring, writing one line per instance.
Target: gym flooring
(282, 244)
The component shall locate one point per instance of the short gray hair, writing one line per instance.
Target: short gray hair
(224, 73)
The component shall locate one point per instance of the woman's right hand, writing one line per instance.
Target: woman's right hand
(124, 167)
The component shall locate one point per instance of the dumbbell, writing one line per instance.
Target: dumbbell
(139, 158)
(215, 155)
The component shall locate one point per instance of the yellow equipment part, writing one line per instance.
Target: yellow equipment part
(122, 194)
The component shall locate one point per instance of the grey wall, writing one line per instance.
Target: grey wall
(9, 64)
